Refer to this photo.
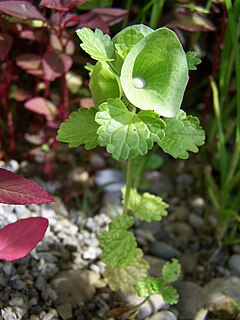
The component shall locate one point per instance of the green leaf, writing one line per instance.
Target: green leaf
(119, 245)
(98, 45)
(155, 73)
(169, 295)
(149, 286)
(126, 39)
(171, 271)
(103, 83)
(121, 222)
(124, 133)
(192, 60)
(125, 278)
(80, 128)
(182, 134)
(147, 207)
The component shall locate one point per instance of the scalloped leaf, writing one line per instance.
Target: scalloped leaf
(146, 207)
(155, 73)
(119, 245)
(182, 134)
(192, 60)
(98, 45)
(80, 128)
(129, 37)
(125, 278)
(103, 83)
(15, 189)
(149, 286)
(125, 134)
(19, 238)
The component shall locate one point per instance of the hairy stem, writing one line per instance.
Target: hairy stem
(128, 185)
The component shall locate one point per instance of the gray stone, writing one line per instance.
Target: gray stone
(163, 315)
(156, 265)
(159, 182)
(181, 233)
(196, 221)
(50, 315)
(234, 263)
(17, 301)
(79, 286)
(65, 311)
(163, 250)
(191, 298)
(188, 261)
(111, 180)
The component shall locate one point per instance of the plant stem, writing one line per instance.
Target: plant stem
(128, 185)
(156, 13)
(128, 6)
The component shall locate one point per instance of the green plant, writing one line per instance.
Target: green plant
(224, 193)
(137, 87)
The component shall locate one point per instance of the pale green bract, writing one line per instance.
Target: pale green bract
(146, 207)
(192, 60)
(125, 278)
(103, 83)
(182, 134)
(80, 128)
(119, 245)
(98, 45)
(124, 133)
(159, 61)
(149, 286)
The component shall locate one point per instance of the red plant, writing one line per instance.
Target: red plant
(36, 54)
(19, 238)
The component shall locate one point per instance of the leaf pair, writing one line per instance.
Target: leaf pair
(19, 238)
(128, 135)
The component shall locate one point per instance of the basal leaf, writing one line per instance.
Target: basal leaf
(155, 73)
(119, 245)
(103, 83)
(125, 278)
(146, 207)
(182, 134)
(170, 295)
(15, 189)
(98, 45)
(124, 133)
(192, 60)
(19, 238)
(171, 271)
(80, 128)
(149, 286)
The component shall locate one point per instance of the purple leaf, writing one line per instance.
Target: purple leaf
(19, 238)
(53, 4)
(21, 9)
(64, 5)
(55, 65)
(111, 16)
(42, 106)
(31, 63)
(93, 21)
(6, 42)
(15, 189)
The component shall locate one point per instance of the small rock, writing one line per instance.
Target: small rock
(50, 315)
(188, 261)
(156, 265)
(151, 306)
(96, 161)
(159, 182)
(163, 315)
(65, 311)
(111, 180)
(196, 221)
(79, 286)
(191, 298)
(34, 317)
(17, 301)
(234, 263)
(181, 233)
(163, 250)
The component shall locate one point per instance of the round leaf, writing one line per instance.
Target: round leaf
(155, 73)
